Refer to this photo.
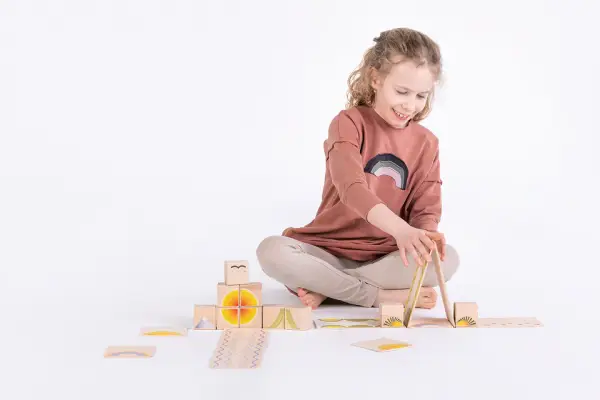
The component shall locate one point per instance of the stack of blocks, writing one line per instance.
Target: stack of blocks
(391, 315)
(239, 305)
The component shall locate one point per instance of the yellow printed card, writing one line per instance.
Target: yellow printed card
(382, 345)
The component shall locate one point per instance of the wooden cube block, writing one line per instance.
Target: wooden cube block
(205, 317)
(236, 272)
(298, 318)
(228, 317)
(251, 294)
(465, 315)
(251, 317)
(391, 315)
(228, 295)
(273, 316)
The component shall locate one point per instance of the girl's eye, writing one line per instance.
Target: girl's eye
(405, 93)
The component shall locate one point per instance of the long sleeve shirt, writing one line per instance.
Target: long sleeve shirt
(369, 162)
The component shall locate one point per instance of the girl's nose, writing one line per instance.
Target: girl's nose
(408, 108)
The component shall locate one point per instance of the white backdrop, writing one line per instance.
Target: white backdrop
(134, 133)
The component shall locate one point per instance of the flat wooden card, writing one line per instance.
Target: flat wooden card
(523, 322)
(344, 323)
(129, 351)
(382, 344)
(239, 349)
(163, 331)
(430, 323)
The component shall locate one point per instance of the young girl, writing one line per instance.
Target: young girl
(381, 202)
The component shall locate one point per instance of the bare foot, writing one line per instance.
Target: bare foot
(311, 299)
(427, 297)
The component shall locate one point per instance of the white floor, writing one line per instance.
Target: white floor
(54, 347)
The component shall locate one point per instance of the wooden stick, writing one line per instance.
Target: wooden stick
(413, 294)
(442, 283)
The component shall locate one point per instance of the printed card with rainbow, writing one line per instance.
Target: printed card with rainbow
(382, 345)
(129, 351)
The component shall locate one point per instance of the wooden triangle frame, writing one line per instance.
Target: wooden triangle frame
(417, 283)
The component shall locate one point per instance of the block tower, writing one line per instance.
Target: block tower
(239, 301)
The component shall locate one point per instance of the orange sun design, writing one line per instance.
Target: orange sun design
(248, 299)
(236, 299)
(247, 315)
(231, 299)
(230, 315)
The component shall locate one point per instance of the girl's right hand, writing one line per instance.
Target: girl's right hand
(415, 242)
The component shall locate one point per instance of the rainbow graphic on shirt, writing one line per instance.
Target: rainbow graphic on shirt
(389, 165)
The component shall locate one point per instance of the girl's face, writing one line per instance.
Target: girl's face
(402, 93)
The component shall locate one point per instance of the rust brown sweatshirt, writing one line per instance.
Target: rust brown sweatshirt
(370, 162)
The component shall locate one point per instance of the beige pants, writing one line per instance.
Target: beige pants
(300, 265)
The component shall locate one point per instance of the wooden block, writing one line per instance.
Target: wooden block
(251, 317)
(273, 316)
(228, 295)
(236, 272)
(391, 315)
(205, 317)
(251, 294)
(465, 315)
(228, 317)
(298, 318)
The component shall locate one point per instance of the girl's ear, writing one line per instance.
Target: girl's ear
(375, 79)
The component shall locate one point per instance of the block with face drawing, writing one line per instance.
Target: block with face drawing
(236, 272)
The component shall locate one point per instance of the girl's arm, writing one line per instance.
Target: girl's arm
(425, 206)
(344, 161)
(386, 220)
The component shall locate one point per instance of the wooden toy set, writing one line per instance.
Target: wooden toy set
(245, 320)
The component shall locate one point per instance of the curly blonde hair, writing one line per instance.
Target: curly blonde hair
(407, 43)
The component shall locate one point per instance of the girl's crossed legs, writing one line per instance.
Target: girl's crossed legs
(315, 274)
